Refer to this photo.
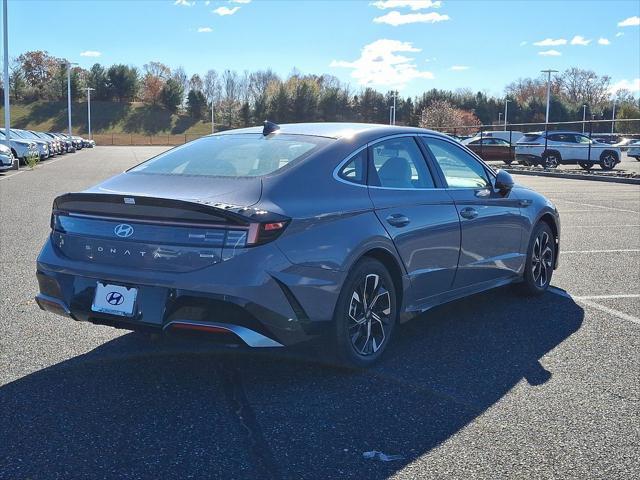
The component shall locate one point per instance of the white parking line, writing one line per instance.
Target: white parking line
(607, 297)
(628, 250)
(12, 175)
(598, 206)
(597, 306)
(600, 226)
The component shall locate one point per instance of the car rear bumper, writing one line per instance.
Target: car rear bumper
(259, 297)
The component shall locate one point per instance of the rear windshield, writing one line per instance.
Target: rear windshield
(236, 155)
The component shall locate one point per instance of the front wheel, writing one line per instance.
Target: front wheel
(540, 260)
(608, 160)
(365, 314)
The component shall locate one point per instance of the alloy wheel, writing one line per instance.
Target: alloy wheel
(608, 161)
(370, 315)
(542, 259)
(551, 161)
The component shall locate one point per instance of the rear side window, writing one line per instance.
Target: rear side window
(530, 137)
(398, 163)
(239, 155)
(355, 169)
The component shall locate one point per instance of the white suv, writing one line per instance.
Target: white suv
(551, 149)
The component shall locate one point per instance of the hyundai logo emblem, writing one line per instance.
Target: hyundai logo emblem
(123, 230)
(115, 298)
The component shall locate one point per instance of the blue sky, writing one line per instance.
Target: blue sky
(412, 45)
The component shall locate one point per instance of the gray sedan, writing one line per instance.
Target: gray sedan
(276, 235)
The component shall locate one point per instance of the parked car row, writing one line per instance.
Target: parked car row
(550, 149)
(25, 143)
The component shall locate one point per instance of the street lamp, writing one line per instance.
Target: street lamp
(89, 89)
(613, 115)
(584, 116)
(69, 64)
(499, 117)
(506, 103)
(548, 72)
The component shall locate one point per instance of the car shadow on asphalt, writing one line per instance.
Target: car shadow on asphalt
(135, 409)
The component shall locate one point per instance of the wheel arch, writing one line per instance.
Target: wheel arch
(392, 265)
(615, 154)
(550, 220)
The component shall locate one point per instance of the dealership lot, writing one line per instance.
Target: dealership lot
(492, 386)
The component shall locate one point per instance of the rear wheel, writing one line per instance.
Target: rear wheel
(586, 165)
(508, 162)
(608, 160)
(540, 260)
(365, 315)
(551, 160)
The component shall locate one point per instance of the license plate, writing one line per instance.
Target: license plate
(114, 299)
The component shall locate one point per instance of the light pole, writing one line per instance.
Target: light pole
(69, 64)
(7, 108)
(584, 116)
(548, 72)
(392, 109)
(506, 110)
(213, 122)
(499, 117)
(613, 115)
(89, 89)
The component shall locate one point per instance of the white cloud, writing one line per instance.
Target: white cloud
(222, 11)
(207, 2)
(550, 53)
(603, 41)
(580, 40)
(396, 18)
(185, 3)
(619, 34)
(523, 43)
(460, 67)
(380, 64)
(90, 53)
(631, 85)
(412, 4)
(630, 22)
(550, 42)
(205, 29)
(240, 1)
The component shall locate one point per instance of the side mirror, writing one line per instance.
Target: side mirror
(504, 182)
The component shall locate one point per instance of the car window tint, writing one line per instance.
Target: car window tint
(499, 141)
(398, 163)
(460, 169)
(582, 139)
(354, 170)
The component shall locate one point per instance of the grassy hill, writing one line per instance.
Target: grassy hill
(106, 118)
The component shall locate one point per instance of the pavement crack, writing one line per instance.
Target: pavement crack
(236, 397)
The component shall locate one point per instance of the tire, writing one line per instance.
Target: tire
(586, 165)
(551, 160)
(540, 260)
(362, 333)
(508, 162)
(608, 160)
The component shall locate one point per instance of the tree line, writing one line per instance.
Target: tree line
(247, 98)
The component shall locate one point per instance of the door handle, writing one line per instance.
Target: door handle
(398, 220)
(469, 213)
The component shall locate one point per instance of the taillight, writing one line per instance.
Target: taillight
(265, 232)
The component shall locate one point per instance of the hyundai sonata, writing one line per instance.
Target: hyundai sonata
(278, 235)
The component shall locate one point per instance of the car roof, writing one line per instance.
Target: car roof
(334, 129)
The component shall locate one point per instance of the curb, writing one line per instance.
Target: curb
(574, 176)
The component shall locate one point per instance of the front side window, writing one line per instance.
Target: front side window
(398, 163)
(460, 169)
(582, 139)
(239, 155)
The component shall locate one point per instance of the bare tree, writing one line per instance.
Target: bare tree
(231, 93)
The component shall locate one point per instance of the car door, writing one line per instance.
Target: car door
(502, 150)
(491, 224)
(584, 150)
(417, 212)
(565, 144)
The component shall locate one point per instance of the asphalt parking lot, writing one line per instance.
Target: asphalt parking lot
(495, 386)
